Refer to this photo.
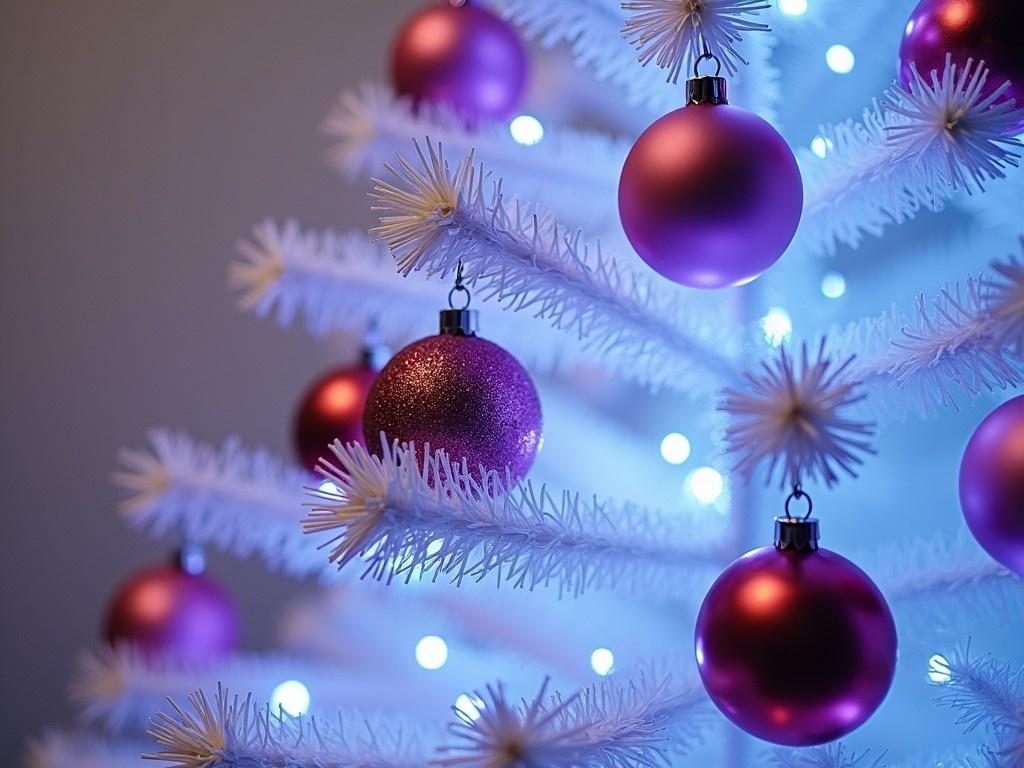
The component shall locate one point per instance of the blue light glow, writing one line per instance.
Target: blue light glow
(938, 669)
(675, 448)
(833, 285)
(777, 326)
(793, 7)
(705, 484)
(292, 697)
(840, 59)
(526, 130)
(431, 652)
(602, 661)
(821, 146)
(470, 705)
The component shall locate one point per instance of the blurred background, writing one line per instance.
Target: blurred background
(140, 140)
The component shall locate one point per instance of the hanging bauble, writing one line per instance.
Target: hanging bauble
(710, 194)
(461, 56)
(332, 408)
(459, 393)
(982, 30)
(992, 484)
(171, 612)
(795, 644)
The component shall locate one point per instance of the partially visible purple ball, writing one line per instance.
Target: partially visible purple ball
(463, 394)
(710, 196)
(992, 484)
(797, 648)
(169, 613)
(986, 30)
(463, 57)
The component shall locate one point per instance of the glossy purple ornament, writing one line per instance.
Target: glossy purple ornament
(168, 612)
(795, 644)
(710, 195)
(460, 393)
(988, 30)
(992, 484)
(463, 57)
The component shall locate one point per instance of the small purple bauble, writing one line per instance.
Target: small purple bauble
(463, 57)
(797, 648)
(169, 613)
(463, 394)
(992, 484)
(710, 196)
(987, 30)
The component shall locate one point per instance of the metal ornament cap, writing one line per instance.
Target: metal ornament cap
(707, 89)
(796, 534)
(459, 322)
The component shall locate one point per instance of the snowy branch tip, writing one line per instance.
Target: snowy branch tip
(793, 415)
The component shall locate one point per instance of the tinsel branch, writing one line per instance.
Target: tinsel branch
(233, 499)
(60, 749)
(370, 125)
(988, 694)
(835, 755)
(913, 152)
(638, 721)
(960, 342)
(676, 33)
(404, 517)
(433, 218)
(229, 732)
(592, 28)
(119, 689)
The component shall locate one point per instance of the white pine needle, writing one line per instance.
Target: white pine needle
(795, 417)
(674, 33)
(835, 755)
(1005, 303)
(433, 218)
(230, 498)
(638, 721)
(403, 518)
(229, 732)
(370, 125)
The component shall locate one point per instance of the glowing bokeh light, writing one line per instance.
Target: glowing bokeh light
(705, 484)
(840, 59)
(675, 448)
(793, 7)
(470, 705)
(291, 696)
(431, 652)
(938, 669)
(602, 661)
(526, 130)
(833, 285)
(777, 326)
(820, 146)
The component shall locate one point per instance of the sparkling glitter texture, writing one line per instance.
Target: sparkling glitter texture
(464, 394)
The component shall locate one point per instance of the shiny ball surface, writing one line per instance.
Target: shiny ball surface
(992, 484)
(465, 58)
(331, 409)
(710, 196)
(166, 612)
(797, 648)
(986, 30)
(463, 394)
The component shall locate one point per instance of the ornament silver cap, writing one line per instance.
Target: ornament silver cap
(798, 534)
(459, 322)
(707, 89)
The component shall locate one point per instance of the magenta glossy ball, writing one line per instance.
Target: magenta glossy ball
(465, 58)
(463, 394)
(992, 484)
(166, 612)
(796, 648)
(710, 196)
(988, 30)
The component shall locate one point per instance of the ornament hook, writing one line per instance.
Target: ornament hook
(707, 54)
(459, 288)
(799, 493)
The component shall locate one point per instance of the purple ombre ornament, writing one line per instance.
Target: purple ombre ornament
(988, 30)
(795, 644)
(710, 195)
(171, 613)
(460, 393)
(992, 484)
(464, 57)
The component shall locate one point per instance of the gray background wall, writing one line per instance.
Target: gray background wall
(138, 139)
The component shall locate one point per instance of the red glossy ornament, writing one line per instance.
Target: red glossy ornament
(992, 484)
(795, 644)
(332, 409)
(168, 612)
(710, 195)
(463, 57)
(987, 30)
